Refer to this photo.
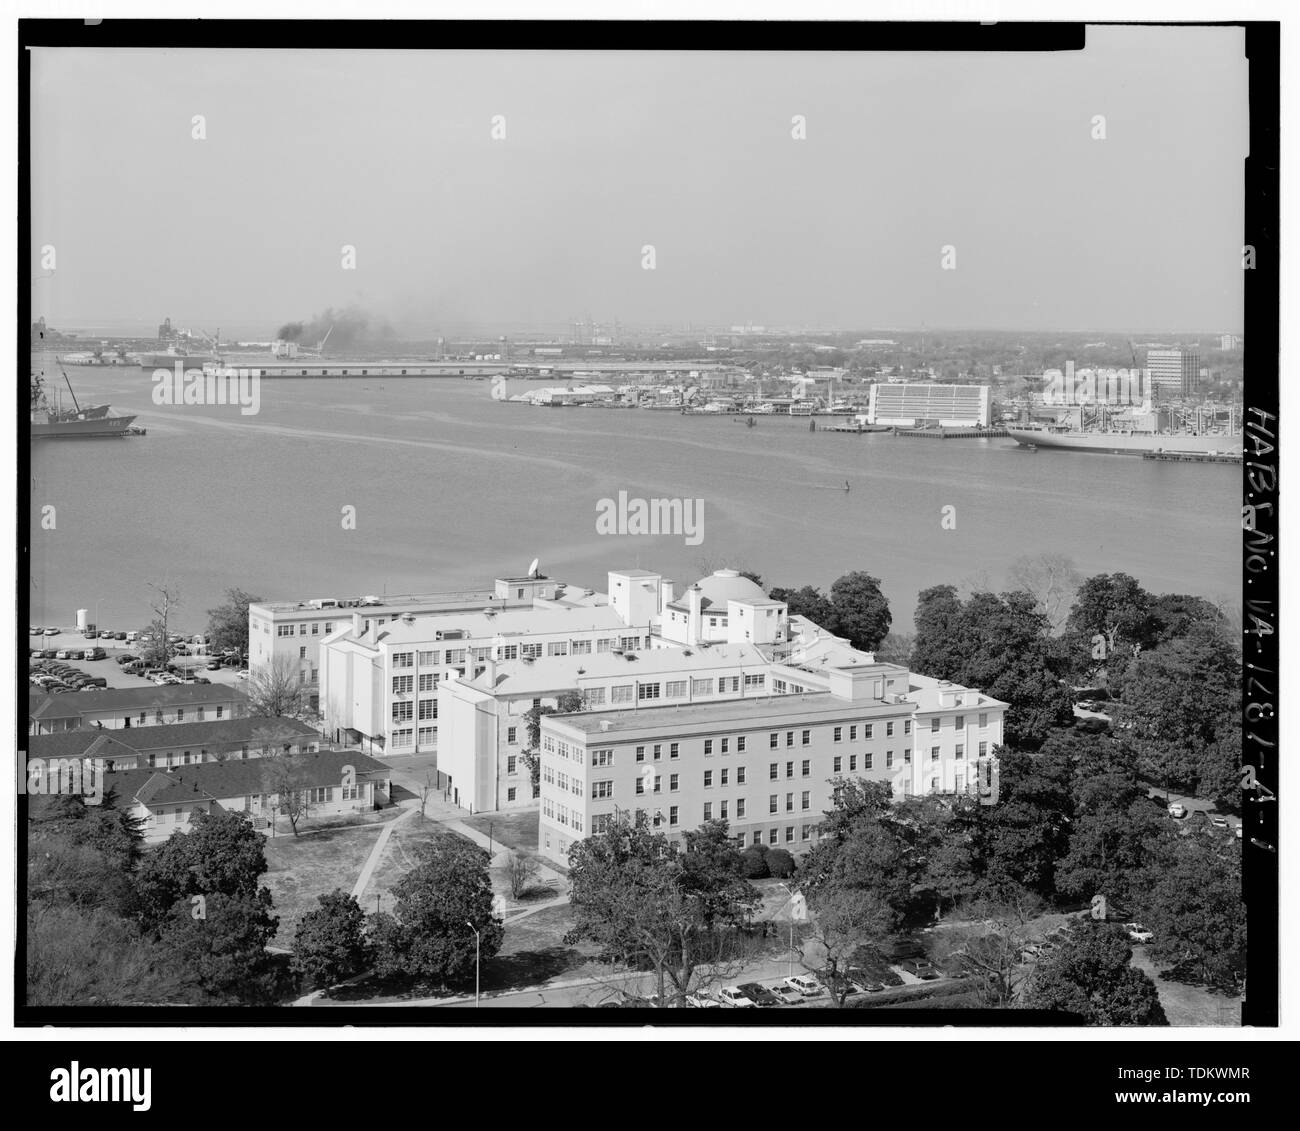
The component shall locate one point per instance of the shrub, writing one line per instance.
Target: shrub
(753, 864)
(780, 864)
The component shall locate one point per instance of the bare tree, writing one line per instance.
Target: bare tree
(991, 948)
(520, 870)
(276, 689)
(427, 790)
(283, 773)
(1052, 580)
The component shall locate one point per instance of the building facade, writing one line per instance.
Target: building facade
(1174, 372)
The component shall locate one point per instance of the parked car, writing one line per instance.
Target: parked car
(1138, 933)
(788, 994)
(35, 630)
(805, 984)
(121, 636)
(51, 632)
(1218, 820)
(63, 654)
(701, 1000)
(200, 679)
(133, 635)
(126, 658)
(921, 968)
(94, 654)
(759, 994)
(213, 665)
(866, 985)
(731, 995)
(242, 673)
(1200, 816)
(1177, 810)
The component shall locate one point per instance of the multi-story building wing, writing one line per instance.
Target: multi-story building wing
(765, 765)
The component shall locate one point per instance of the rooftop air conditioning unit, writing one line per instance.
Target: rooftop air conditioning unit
(604, 724)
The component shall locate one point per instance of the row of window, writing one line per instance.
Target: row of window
(405, 737)
(404, 710)
(600, 822)
(316, 629)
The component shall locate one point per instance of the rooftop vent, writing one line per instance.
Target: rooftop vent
(604, 724)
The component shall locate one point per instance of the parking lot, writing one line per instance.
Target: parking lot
(107, 668)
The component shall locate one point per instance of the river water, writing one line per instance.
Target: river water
(451, 488)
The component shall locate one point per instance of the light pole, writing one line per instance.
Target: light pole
(477, 940)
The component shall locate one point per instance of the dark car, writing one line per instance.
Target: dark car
(759, 995)
(119, 636)
(919, 968)
(126, 658)
(96, 681)
(214, 665)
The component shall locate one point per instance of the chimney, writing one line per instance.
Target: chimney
(490, 673)
(695, 601)
(356, 624)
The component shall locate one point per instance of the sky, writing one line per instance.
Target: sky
(692, 153)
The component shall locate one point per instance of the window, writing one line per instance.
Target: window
(594, 697)
(772, 740)
(853, 733)
(428, 709)
(805, 738)
(403, 710)
(984, 719)
(640, 753)
(959, 782)
(672, 750)
(557, 648)
(701, 687)
(805, 768)
(907, 756)
(889, 759)
(740, 775)
(708, 746)
(647, 691)
(889, 730)
(602, 757)
(457, 655)
(728, 683)
(672, 782)
(580, 647)
(723, 779)
(838, 734)
(722, 810)
(512, 764)
(428, 736)
(740, 807)
(740, 744)
(772, 771)
(868, 729)
(853, 763)
(621, 693)
(658, 751)
(758, 837)
(708, 810)
(708, 779)
(771, 836)
(907, 726)
(789, 833)
(789, 738)
(866, 760)
(984, 749)
(427, 659)
(789, 802)
(602, 789)
(526, 652)
(961, 750)
(804, 800)
(675, 689)
(672, 815)
(403, 684)
(959, 722)
(934, 753)
(512, 735)
(789, 769)
(754, 682)
(838, 764)
(510, 793)
(726, 743)
(640, 785)
(934, 726)
(771, 803)
(934, 784)
(804, 831)
(403, 659)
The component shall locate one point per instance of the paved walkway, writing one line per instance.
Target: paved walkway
(377, 854)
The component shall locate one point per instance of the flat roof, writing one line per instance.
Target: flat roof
(517, 622)
(394, 601)
(772, 711)
(133, 698)
(515, 677)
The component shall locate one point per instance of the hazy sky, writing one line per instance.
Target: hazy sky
(605, 152)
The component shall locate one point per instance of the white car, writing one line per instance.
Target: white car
(242, 673)
(1177, 810)
(1138, 933)
(702, 1000)
(805, 985)
(730, 995)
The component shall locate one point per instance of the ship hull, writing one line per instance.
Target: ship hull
(1126, 443)
(79, 429)
(168, 361)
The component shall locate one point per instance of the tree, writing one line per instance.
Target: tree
(642, 897)
(989, 946)
(936, 649)
(221, 854)
(861, 610)
(165, 601)
(566, 703)
(277, 689)
(1191, 901)
(1052, 580)
(1090, 975)
(520, 870)
(330, 944)
(1021, 838)
(810, 603)
(429, 938)
(1110, 841)
(223, 941)
(228, 623)
(780, 864)
(1114, 607)
(753, 863)
(427, 790)
(896, 648)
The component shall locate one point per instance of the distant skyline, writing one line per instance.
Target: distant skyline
(605, 152)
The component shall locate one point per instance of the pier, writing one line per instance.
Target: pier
(951, 433)
(1193, 457)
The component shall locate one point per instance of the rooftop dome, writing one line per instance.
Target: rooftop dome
(725, 585)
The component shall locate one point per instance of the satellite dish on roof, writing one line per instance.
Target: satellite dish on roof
(532, 569)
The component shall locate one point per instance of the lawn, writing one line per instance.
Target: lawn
(516, 828)
(1190, 1005)
(400, 855)
(301, 868)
